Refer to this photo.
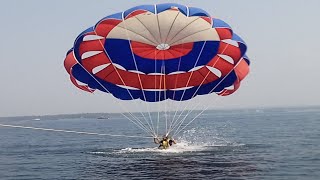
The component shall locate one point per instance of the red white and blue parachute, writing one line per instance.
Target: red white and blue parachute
(158, 52)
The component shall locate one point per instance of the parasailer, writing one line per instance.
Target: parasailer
(165, 142)
(158, 52)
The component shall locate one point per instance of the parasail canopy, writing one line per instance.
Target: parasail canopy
(158, 52)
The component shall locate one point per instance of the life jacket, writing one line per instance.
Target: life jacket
(165, 144)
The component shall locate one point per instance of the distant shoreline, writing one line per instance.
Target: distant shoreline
(110, 115)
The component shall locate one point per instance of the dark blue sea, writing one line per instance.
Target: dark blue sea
(274, 143)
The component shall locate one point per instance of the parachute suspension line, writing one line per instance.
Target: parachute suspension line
(195, 64)
(170, 102)
(141, 126)
(137, 119)
(190, 111)
(179, 121)
(176, 120)
(155, 92)
(148, 109)
(163, 72)
(159, 100)
(155, 55)
(165, 96)
(211, 92)
(70, 131)
(166, 101)
(155, 70)
(139, 78)
(178, 131)
(174, 93)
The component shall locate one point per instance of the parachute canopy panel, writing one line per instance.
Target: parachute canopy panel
(158, 52)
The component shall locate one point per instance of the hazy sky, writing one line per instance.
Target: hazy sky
(282, 37)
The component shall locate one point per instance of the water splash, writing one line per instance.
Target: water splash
(205, 137)
(192, 140)
(180, 147)
(195, 139)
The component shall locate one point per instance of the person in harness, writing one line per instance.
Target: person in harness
(165, 143)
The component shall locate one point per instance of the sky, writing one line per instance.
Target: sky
(282, 38)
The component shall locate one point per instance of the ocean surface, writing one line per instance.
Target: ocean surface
(274, 143)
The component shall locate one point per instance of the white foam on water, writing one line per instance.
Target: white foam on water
(192, 140)
(99, 153)
(180, 147)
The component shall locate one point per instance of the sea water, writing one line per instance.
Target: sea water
(274, 143)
